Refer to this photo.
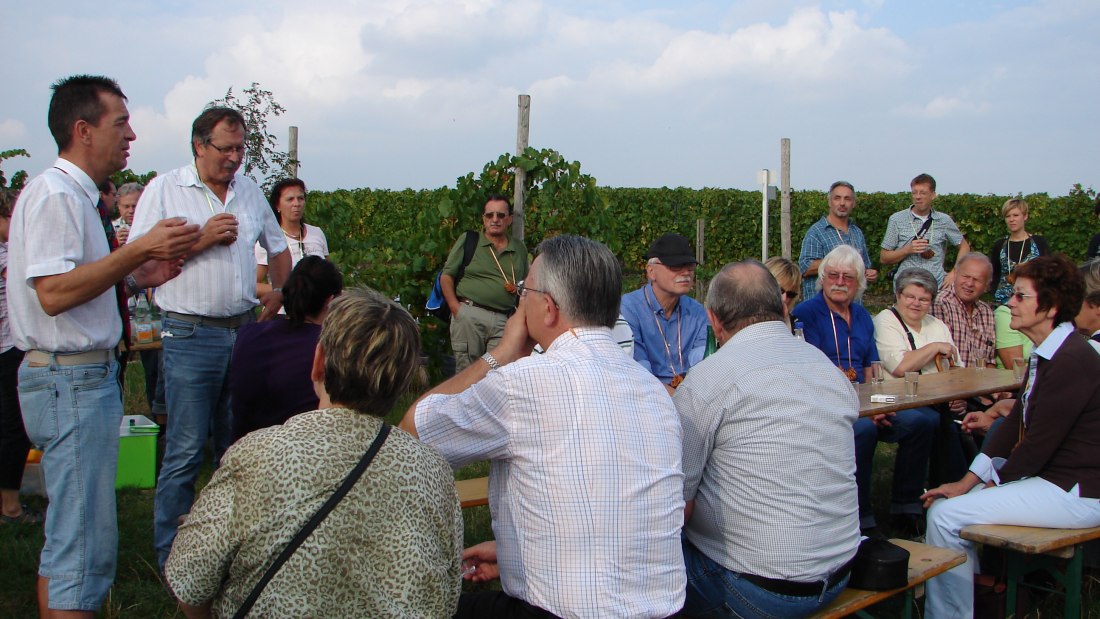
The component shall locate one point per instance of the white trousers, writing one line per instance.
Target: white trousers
(1032, 502)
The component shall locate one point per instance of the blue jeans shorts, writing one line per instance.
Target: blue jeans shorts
(73, 413)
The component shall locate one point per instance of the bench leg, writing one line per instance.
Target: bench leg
(1072, 583)
(1014, 571)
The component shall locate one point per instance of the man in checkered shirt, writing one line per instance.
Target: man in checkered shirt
(585, 488)
(772, 521)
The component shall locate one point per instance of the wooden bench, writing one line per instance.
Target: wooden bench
(924, 562)
(1036, 548)
(473, 492)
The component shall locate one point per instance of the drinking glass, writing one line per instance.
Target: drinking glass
(1019, 367)
(911, 380)
(877, 377)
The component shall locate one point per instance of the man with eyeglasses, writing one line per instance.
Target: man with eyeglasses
(585, 485)
(213, 296)
(670, 327)
(919, 235)
(482, 294)
(834, 228)
(843, 329)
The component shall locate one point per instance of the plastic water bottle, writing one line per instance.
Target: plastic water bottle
(798, 330)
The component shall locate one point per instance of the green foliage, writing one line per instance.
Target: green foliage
(397, 241)
(129, 176)
(20, 177)
(263, 157)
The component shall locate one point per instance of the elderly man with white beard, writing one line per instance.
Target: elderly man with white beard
(843, 329)
(670, 328)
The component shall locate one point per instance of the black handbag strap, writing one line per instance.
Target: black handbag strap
(908, 333)
(308, 528)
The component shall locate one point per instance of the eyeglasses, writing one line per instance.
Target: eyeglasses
(494, 215)
(833, 276)
(1021, 296)
(522, 287)
(679, 267)
(225, 150)
(790, 294)
(915, 299)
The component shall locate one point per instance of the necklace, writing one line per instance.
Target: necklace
(1020, 257)
(851, 371)
(509, 286)
(300, 238)
(677, 377)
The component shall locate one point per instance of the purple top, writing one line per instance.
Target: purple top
(269, 376)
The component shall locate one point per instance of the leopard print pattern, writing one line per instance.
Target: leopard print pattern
(391, 548)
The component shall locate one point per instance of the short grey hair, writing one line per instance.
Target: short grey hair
(583, 277)
(975, 255)
(129, 188)
(916, 276)
(744, 293)
(1090, 273)
(371, 349)
(842, 256)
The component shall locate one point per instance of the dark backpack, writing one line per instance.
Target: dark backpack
(437, 304)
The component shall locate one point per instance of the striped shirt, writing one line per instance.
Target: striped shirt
(220, 281)
(769, 457)
(585, 486)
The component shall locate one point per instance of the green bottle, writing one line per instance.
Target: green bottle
(712, 343)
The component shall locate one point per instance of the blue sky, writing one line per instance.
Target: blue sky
(988, 96)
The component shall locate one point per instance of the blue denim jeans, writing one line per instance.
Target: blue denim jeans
(714, 591)
(74, 412)
(914, 431)
(196, 374)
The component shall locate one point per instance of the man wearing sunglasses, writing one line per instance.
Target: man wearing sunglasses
(213, 296)
(835, 228)
(482, 296)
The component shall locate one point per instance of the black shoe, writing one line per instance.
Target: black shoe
(908, 526)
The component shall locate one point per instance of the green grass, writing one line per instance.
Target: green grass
(138, 591)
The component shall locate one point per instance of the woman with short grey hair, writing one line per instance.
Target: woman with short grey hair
(909, 337)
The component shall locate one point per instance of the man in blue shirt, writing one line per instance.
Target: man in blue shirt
(835, 228)
(842, 329)
(670, 328)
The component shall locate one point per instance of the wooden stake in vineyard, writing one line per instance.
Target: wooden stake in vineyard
(523, 128)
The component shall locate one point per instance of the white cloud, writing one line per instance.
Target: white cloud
(942, 107)
(12, 131)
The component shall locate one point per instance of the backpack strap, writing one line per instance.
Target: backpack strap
(467, 253)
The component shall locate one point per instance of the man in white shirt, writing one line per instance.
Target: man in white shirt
(585, 487)
(768, 533)
(213, 296)
(64, 312)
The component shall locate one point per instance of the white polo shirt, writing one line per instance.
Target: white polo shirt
(55, 227)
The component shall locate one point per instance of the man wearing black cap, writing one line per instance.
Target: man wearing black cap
(670, 328)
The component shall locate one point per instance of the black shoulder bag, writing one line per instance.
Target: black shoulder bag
(308, 528)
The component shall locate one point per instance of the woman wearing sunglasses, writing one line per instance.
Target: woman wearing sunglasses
(1040, 467)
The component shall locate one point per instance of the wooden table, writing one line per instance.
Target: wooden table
(937, 388)
(473, 492)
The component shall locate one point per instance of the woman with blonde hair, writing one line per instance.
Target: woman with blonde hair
(1015, 249)
(786, 272)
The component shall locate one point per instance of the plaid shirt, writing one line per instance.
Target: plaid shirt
(974, 333)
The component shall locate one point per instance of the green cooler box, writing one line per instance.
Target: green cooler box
(137, 452)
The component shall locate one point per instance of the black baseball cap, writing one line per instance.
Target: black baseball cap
(672, 250)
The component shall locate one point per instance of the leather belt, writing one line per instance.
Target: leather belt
(800, 589)
(41, 358)
(488, 309)
(229, 322)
